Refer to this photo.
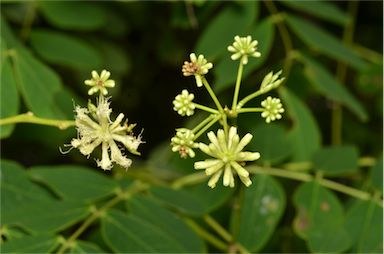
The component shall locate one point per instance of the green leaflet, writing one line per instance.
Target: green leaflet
(321, 9)
(28, 205)
(31, 244)
(233, 20)
(270, 140)
(376, 175)
(261, 209)
(9, 97)
(364, 222)
(64, 49)
(326, 84)
(72, 182)
(83, 247)
(37, 83)
(195, 200)
(326, 43)
(225, 70)
(170, 223)
(67, 15)
(336, 160)
(320, 219)
(134, 233)
(305, 137)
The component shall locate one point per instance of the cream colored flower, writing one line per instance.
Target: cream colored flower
(95, 128)
(272, 109)
(100, 82)
(183, 142)
(243, 47)
(228, 157)
(199, 66)
(271, 81)
(183, 104)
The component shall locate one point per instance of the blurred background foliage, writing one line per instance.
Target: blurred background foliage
(331, 55)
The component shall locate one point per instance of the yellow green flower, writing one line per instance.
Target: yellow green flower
(243, 47)
(183, 104)
(100, 82)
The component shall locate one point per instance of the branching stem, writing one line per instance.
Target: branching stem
(31, 118)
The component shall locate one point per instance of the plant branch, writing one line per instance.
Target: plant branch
(205, 108)
(203, 123)
(123, 195)
(341, 73)
(218, 228)
(206, 235)
(206, 127)
(237, 86)
(304, 177)
(249, 110)
(29, 117)
(212, 94)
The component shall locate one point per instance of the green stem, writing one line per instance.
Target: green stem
(206, 127)
(203, 123)
(218, 228)
(304, 177)
(341, 73)
(124, 195)
(212, 94)
(189, 180)
(368, 54)
(205, 108)
(249, 110)
(248, 98)
(28, 20)
(31, 118)
(284, 34)
(237, 86)
(206, 235)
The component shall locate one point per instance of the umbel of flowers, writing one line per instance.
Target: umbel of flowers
(226, 148)
(96, 129)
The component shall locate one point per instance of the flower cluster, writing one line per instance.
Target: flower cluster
(198, 66)
(272, 109)
(184, 143)
(95, 128)
(226, 149)
(183, 103)
(242, 48)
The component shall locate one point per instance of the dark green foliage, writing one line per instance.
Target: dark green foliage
(331, 56)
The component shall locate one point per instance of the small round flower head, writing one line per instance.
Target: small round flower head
(100, 82)
(95, 128)
(272, 109)
(228, 157)
(183, 103)
(183, 142)
(198, 66)
(271, 81)
(242, 48)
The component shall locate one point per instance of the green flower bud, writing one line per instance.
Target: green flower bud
(183, 104)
